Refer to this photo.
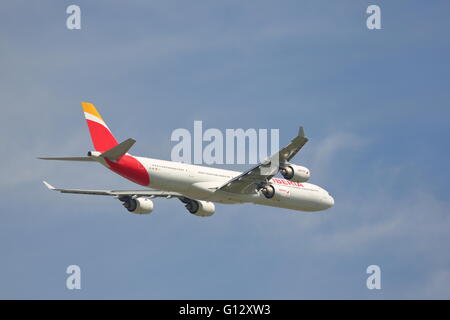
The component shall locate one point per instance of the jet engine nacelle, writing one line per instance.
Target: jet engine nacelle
(295, 173)
(275, 192)
(139, 205)
(201, 208)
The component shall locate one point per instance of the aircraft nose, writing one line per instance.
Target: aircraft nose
(331, 201)
(328, 201)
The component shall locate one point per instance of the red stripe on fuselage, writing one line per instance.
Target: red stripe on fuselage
(131, 169)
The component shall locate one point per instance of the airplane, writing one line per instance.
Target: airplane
(199, 187)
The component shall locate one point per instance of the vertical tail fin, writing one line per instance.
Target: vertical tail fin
(101, 136)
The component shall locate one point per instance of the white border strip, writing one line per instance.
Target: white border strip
(91, 117)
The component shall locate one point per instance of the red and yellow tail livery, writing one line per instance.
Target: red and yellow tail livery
(101, 136)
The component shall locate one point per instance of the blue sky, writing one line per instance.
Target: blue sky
(375, 105)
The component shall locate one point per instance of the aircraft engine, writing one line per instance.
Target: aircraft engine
(275, 192)
(268, 191)
(139, 205)
(295, 173)
(200, 208)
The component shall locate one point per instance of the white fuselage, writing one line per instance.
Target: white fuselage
(198, 186)
(200, 183)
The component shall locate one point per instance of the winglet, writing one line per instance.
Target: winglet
(301, 132)
(48, 185)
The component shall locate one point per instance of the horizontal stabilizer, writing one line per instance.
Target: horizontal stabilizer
(113, 154)
(118, 151)
(69, 158)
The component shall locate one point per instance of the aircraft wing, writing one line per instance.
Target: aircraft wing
(119, 193)
(250, 180)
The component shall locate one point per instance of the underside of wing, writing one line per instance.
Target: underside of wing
(248, 181)
(118, 193)
(288, 152)
(139, 201)
(251, 180)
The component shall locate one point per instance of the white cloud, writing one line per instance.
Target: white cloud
(326, 150)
